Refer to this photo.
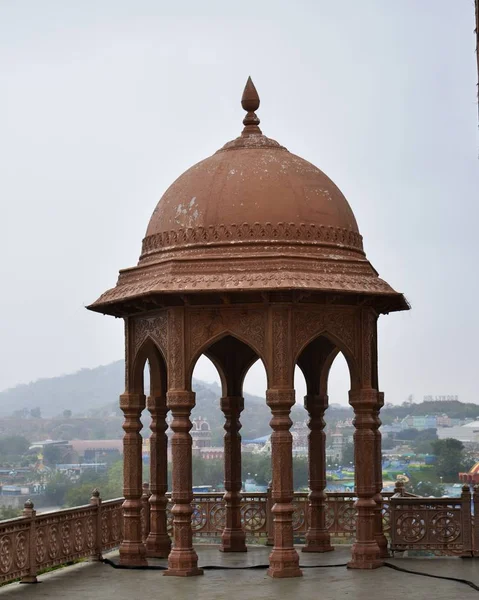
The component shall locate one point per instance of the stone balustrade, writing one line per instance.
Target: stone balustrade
(33, 543)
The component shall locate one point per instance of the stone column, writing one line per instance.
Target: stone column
(317, 536)
(365, 552)
(283, 560)
(233, 537)
(158, 543)
(132, 549)
(378, 512)
(183, 560)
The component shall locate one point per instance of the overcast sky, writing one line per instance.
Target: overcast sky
(103, 103)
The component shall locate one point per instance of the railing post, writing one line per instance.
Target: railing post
(466, 521)
(475, 536)
(399, 488)
(145, 510)
(95, 500)
(269, 516)
(29, 512)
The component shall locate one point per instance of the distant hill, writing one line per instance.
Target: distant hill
(80, 392)
(452, 408)
(95, 392)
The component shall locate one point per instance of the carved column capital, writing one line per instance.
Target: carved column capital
(157, 404)
(280, 399)
(232, 404)
(130, 402)
(180, 401)
(316, 404)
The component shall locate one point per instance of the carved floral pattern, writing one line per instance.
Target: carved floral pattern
(153, 327)
(206, 324)
(310, 323)
(279, 232)
(21, 550)
(6, 553)
(253, 516)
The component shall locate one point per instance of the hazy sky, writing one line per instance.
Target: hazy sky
(103, 103)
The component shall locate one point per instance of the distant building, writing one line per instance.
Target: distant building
(472, 476)
(464, 433)
(201, 433)
(300, 432)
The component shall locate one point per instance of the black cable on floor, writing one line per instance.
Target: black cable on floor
(456, 579)
(471, 584)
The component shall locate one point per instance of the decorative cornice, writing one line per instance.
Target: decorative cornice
(304, 233)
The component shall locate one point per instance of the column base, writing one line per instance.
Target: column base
(133, 555)
(383, 546)
(183, 563)
(29, 579)
(194, 572)
(284, 563)
(317, 541)
(365, 556)
(317, 547)
(158, 545)
(233, 541)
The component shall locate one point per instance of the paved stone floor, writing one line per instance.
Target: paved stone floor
(99, 581)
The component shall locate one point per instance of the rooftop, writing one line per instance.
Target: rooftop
(102, 582)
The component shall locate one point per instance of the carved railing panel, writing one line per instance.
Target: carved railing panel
(32, 543)
(209, 515)
(14, 548)
(64, 536)
(439, 525)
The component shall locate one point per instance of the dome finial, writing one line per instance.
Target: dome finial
(250, 103)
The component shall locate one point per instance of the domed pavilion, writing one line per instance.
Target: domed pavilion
(253, 253)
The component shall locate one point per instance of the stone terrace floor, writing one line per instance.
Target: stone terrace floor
(99, 581)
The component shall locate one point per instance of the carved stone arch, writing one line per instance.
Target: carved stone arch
(207, 344)
(155, 328)
(325, 370)
(340, 323)
(315, 362)
(206, 326)
(354, 369)
(151, 353)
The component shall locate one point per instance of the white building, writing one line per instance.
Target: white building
(464, 433)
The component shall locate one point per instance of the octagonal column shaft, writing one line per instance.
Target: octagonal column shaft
(132, 548)
(378, 516)
(158, 543)
(233, 537)
(183, 560)
(317, 537)
(283, 560)
(365, 552)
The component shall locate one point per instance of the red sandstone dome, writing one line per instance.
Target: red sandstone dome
(259, 182)
(251, 217)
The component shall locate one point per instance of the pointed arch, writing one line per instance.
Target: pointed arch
(214, 349)
(151, 353)
(339, 346)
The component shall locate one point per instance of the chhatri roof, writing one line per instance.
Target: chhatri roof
(251, 217)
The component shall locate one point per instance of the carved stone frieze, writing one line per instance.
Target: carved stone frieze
(282, 364)
(273, 232)
(310, 323)
(176, 362)
(206, 324)
(154, 327)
